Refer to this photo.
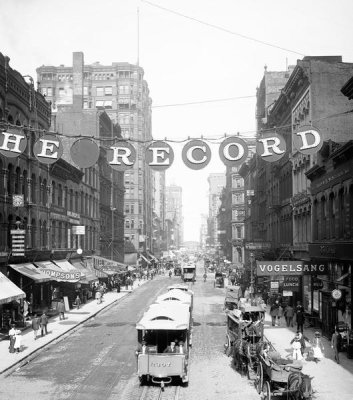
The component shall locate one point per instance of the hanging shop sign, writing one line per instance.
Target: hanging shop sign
(265, 268)
(291, 283)
(196, 154)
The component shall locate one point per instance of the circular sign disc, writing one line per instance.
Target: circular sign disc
(233, 151)
(48, 149)
(271, 146)
(84, 152)
(121, 156)
(159, 155)
(196, 154)
(307, 140)
(13, 143)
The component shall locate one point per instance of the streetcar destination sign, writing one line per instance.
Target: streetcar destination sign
(265, 268)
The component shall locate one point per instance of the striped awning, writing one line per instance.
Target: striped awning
(9, 291)
(30, 271)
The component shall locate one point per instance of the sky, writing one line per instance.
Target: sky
(192, 51)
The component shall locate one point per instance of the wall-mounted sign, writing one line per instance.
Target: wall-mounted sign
(287, 293)
(196, 154)
(290, 268)
(336, 294)
(291, 283)
(18, 200)
(78, 230)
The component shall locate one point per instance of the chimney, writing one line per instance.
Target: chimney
(77, 74)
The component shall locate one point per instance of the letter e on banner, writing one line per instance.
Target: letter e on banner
(159, 155)
(307, 140)
(196, 154)
(233, 151)
(12, 143)
(84, 152)
(48, 149)
(271, 146)
(121, 156)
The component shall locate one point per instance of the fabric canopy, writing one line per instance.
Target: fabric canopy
(68, 267)
(104, 264)
(29, 270)
(144, 258)
(56, 273)
(89, 275)
(9, 291)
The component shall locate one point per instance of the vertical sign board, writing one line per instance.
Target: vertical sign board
(18, 242)
(66, 302)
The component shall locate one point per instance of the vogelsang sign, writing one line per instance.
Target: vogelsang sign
(265, 268)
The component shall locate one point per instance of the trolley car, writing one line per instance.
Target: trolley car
(188, 273)
(160, 325)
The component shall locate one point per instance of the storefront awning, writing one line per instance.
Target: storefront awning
(29, 270)
(105, 273)
(103, 264)
(56, 273)
(9, 291)
(151, 256)
(144, 258)
(89, 275)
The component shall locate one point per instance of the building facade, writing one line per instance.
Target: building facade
(216, 183)
(174, 214)
(121, 91)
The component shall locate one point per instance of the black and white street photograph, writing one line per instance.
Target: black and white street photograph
(176, 200)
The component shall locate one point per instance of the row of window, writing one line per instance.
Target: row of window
(130, 224)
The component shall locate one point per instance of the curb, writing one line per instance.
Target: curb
(31, 356)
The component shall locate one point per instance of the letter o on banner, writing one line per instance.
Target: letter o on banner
(159, 155)
(48, 149)
(233, 151)
(84, 152)
(196, 154)
(121, 156)
(271, 146)
(13, 143)
(307, 140)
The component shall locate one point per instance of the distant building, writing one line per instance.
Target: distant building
(216, 182)
(174, 214)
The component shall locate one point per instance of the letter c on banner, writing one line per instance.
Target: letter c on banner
(159, 155)
(233, 151)
(196, 154)
(271, 146)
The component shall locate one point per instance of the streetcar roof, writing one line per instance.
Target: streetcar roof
(175, 294)
(165, 317)
(184, 288)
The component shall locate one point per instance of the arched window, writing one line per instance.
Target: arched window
(323, 228)
(53, 193)
(33, 188)
(71, 199)
(331, 215)
(76, 201)
(44, 235)
(24, 185)
(132, 224)
(127, 224)
(10, 179)
(33, 233)
(53, 235)
(60, 195)
(341, 215)
(18, 181)
(60, 237)
(45, 193)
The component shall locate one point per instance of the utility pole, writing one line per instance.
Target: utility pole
(252, 258)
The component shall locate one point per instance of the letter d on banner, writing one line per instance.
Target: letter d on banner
(307, 140)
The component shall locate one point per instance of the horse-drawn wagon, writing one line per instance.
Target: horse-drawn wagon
(280, 377)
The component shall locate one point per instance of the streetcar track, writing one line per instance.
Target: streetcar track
(158, 393)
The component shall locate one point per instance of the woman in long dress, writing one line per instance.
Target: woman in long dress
(18, 341)
(317, 347)
(12, 335)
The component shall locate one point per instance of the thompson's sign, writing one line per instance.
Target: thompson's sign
(265, 268)
(122, 155)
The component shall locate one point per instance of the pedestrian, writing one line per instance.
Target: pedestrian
(61, 309)
(296, 346)
(78, 302)
(99, 297)
(18, 341)
(317, 347)
(35, 325)
(336, 341)
(274, 312)
(44, 324)
(300, 317)
(280, 314)
(12, 336)
(289, 314)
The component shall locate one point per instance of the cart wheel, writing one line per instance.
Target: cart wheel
(266, 391)
(259, 378)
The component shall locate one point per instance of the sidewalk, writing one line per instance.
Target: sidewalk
(331, 380)
(57, 328)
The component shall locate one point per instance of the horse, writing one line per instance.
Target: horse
(299, 386)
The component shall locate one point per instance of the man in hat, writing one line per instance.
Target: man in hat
(171, 348)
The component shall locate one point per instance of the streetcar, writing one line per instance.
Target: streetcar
(159, 361)
(182, 287)
(188, 273)
(177, 270)
(176, 295)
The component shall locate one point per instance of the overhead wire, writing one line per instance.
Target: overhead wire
(221, 28)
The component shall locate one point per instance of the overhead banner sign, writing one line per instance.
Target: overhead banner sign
(266, 268)
(122, 155)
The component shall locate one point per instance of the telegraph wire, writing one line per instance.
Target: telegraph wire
(221, 28)
(204, 101)
(243, 135)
